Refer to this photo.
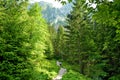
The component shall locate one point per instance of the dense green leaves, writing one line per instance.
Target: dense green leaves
(72, 75)
(80, 46)
(107, 17)
(92, 39)
(13, 40)
(24, 37)
(90, 42)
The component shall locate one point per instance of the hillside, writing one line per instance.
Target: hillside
(55, 16)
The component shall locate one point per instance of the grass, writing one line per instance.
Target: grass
(47, 70)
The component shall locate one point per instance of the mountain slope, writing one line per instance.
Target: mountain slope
(55, 16)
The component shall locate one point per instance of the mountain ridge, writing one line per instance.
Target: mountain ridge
(55, 16)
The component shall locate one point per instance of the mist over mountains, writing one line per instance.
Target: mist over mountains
(55, 16)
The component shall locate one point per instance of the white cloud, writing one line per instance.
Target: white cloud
(111, 0)
(54, 3)
(93, 5)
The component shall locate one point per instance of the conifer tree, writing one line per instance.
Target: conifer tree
(24, 38)
(81, 45)
(14, 41)
(78, 37)
(108, 40)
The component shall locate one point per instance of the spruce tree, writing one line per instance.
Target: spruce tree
(24, 38)
(14, 41)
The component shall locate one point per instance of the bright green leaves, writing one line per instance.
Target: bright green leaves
(72, 75)
(39, 31)
(13, 36)
(24, 37)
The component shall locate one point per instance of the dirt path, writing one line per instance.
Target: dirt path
(62, 71)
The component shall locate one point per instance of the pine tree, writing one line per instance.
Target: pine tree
(81, 46)
(78, 35)
(108, 40)
(24, 38)
(14, 41)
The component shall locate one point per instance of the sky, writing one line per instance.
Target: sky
(55, 3)
(58, 4)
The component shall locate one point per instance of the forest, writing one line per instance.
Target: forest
(88, 46)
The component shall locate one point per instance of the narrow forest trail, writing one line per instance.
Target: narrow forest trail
(62, 71)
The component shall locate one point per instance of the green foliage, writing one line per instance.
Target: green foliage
(92, 39)
(59, 46)
(80, 45)
(39, 34)
(72, 75)
(116, 77)
(24, 37)
(90, 43)
(106, 18)
(14, 41)
(46, 71)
